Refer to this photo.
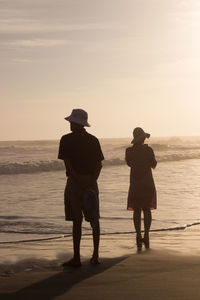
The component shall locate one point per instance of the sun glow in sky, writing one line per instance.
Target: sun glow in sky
(128, 63)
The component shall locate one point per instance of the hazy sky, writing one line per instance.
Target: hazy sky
(128, 63)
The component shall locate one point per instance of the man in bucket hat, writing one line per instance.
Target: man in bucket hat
(82, 156)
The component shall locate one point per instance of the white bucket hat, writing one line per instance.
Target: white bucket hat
(78, 116)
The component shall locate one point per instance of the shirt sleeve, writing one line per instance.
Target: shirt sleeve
(63, 152)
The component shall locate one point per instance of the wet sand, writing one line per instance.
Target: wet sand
(169, 270)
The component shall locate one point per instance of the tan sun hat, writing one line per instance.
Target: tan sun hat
(139, 135)
(78, 116)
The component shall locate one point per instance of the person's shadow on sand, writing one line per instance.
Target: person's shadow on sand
(60, 283)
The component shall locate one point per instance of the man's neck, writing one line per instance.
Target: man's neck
(79, 130)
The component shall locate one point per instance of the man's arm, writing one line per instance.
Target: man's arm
(85, 184)
(70, 170)
(97, 171)
(94, 177)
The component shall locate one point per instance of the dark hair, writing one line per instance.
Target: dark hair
(140, 142)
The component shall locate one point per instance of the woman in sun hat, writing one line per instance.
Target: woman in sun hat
(142, 192)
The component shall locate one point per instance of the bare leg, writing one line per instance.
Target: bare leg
(77, 239)
(147, 225)
(137, 220)
(96, 238)
(147, 220)
(75, 261)
(137, 224)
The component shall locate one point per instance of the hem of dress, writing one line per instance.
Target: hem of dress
(132, 209)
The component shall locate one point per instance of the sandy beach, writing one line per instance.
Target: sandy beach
(169, 270)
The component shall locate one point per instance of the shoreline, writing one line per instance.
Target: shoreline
(169, 270)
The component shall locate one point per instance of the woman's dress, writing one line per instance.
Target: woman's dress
(142, 191)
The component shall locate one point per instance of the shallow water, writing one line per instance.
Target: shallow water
(31, 204)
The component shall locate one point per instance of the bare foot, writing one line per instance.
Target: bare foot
(94, 261)
(75, 263)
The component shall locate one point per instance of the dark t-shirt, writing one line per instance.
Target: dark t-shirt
(82, 149)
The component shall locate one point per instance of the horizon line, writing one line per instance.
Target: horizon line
(101, 138)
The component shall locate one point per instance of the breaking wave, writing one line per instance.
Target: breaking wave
(56, 165)
(30, 167)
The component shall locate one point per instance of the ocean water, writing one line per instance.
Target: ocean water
(32, 182)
